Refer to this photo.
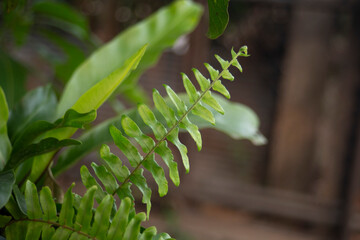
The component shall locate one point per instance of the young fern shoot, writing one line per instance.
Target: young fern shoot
(117, 178)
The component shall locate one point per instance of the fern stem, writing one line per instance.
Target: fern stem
(54, 224)
(176, 124)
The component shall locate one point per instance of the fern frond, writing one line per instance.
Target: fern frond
(117, 178)
(76, 221)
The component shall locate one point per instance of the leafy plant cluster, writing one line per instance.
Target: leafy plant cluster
(35, 125)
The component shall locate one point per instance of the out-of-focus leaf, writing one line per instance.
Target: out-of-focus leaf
(38, 104)
(73, 56)
(44, 146)
(5, 145)
(62, 15)
(218, 17)
(7, 180)
(12, 79)
(160, 31)
(238, 121)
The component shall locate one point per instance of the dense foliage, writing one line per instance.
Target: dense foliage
(35, 125)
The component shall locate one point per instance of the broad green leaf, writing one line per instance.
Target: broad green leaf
(204, 83)
(35, 129)
(164, 109)
(90, 100)
(89, 181)
(83, 218)
(114, 164)
(166, 154)
(13, 76)
(212, 71)
(5, 145)
(7, 180)
(101, 218)
(107, 179)
(190, 88)
(133, 229)
(218, 17)
(120, 221)
(159, 31)
(125, 146)
(38, 104)
(221, 89)
(138, 179)
(97, 95)
(44, 146)
(75, 119)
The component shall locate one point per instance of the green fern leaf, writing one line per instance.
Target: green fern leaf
(133, 229)
(89, 181)
(213, 72)
(125, 146)
(149, 119)
(173, 137)
(101, 218)
(204, 113)
(106, 178)
(164, 151)
(210, 101)
(114, 164)
(221, 89)
(204, 83)
(148, 234)
(224, 64)
(190, 88)
(185, 122)
(49, 212)
(83, 218)
(120, 221)
(164, 109)
(138, 179)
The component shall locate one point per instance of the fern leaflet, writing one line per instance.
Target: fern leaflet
(117, 178)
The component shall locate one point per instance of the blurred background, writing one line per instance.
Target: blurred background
(302, 80)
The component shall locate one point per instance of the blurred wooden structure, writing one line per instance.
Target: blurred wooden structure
(312, 160)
